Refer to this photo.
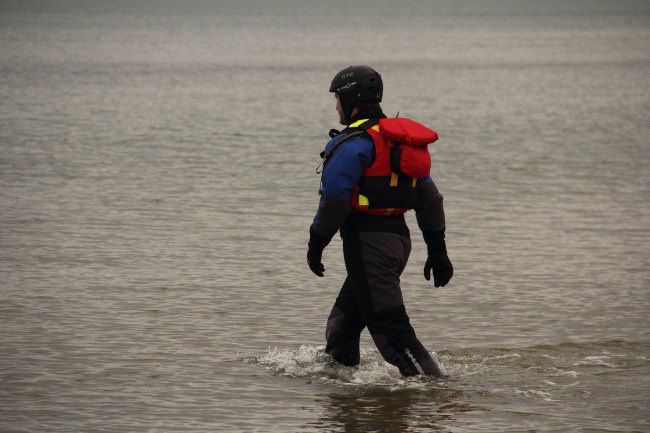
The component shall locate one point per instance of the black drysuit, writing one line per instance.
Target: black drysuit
(376, 249)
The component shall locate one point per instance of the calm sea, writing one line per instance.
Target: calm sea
(157, 182)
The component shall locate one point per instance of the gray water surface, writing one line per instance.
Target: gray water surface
(157, 182)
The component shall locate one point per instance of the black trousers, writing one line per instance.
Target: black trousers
(376, 250)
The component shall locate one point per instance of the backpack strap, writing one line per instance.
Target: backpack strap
(364, 124)
(395, 149)
(354, 130)
(327, 155)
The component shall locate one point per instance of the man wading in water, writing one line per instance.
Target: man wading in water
(374, 171)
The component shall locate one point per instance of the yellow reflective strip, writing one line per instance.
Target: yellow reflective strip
(389, 211)
(415, 179)
(363, 200)
(393, 179)
(358, 122)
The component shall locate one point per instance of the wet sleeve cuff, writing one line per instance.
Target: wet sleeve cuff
(331, 215)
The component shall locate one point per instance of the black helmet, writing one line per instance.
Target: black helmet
(357, 84)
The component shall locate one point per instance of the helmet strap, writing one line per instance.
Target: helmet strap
(347, 104)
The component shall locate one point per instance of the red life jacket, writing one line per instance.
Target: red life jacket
(388, 185)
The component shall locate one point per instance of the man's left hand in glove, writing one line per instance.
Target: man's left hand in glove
(438, 261)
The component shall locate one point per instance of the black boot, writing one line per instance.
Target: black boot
(416, 361)
(347, 353)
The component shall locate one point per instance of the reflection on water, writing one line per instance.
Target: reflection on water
(370, 397)
(386, 410)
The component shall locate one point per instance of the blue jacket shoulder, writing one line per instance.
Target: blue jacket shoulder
(344, 168)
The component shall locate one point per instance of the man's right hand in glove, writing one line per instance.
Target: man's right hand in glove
(315, 252)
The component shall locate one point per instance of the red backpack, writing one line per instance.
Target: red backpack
(388, 185)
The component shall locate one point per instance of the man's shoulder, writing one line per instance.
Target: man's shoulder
(349, 142)
(353, 137)
(356, 143)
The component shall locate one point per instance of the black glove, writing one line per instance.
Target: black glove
(437, 260)
(315, 252)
